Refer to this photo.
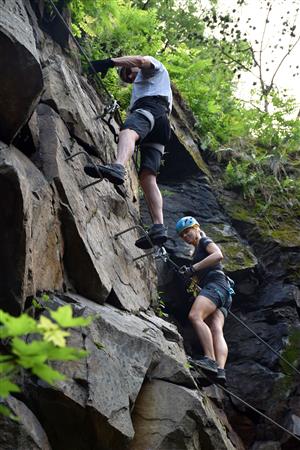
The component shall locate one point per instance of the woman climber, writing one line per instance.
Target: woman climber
(212, 303)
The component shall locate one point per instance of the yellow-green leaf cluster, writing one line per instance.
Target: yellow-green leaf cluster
(31, 345)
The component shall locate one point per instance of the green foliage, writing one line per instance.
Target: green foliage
(265, 167)
(167, 193)
(90, 17)
(7, 412)
(192, 287)
(187, 365)
(159, 306)
(30, 345)
(204, 49)
(208, 88)
(291, 353)
(178, 22)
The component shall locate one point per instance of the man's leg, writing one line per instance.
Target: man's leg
(126, 145)
(115, 172)
(150, 163)
(152, 195)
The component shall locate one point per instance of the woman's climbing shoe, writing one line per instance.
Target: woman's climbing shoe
(157, 234)
(221, 377)
(115, 173)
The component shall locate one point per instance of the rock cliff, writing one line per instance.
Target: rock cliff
(58, 236)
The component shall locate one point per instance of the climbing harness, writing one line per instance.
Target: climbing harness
(230, 282)
(109, 111)
(149, 116)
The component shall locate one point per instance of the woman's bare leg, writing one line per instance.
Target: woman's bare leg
(216, 323)
(201, 309)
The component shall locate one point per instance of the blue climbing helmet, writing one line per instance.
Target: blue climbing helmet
(186, 222)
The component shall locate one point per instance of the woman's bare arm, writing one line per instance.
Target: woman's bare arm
(214, 257)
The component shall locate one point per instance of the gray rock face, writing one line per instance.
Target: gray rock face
(265, 267)
(97, 264)
(29, 227)
(78, 106)
(133, 390)
(25, 433)
(21, 80)
(65, 233)
(162, 422)
(119, 379)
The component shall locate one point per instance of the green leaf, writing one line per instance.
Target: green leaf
(66, 354)
(28, 362)
(36, 304)
(5, 358)
(6, 387)
(47, 374)
(7, 367)
(22, 348)
(16, 326)
(64, 317)
(52, 332)
(7, 412)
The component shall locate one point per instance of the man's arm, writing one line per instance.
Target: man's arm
(133, 61)
(103, 65)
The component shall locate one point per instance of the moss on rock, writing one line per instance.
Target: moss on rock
(277, 225)
(237, 255)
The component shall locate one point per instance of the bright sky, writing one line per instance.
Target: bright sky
(257, 11)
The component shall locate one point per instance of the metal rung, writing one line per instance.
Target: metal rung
(91, 184)
(143, 256)
(139, 227)
(79, 153)
(89, 159)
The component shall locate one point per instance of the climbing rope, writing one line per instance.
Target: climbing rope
(257, 411)
(114, 106)
(264, 342)
(111, 109)
(81, 50)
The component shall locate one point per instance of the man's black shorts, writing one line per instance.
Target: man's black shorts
(150, 159)
(160, 134)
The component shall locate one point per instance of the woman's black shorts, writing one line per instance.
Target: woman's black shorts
(219, 295)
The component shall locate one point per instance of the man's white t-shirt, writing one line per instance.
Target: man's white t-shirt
(153, 81)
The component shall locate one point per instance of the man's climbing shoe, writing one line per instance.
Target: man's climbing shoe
(157, 234)
(208, 365)
(221, 377)
(115, 173)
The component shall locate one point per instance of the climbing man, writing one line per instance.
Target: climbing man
(147, 124)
